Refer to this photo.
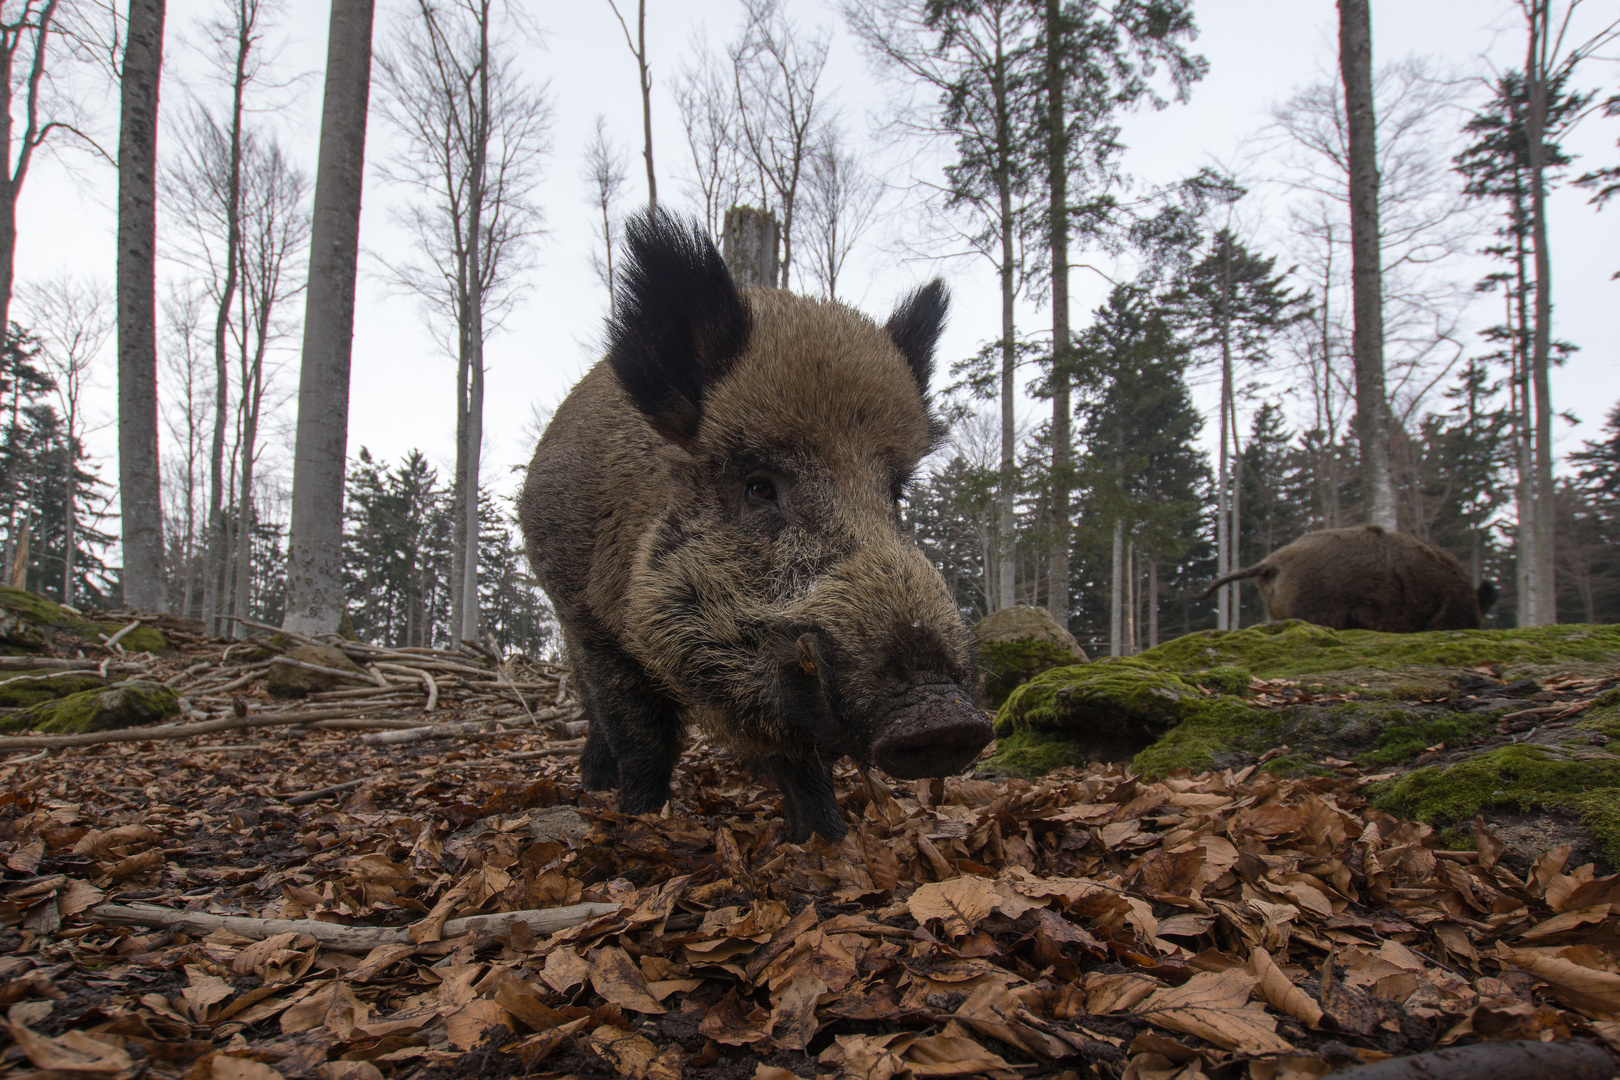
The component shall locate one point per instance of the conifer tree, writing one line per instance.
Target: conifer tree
(1233, 303)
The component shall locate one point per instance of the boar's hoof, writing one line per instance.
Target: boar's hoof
(809, 803)
(935, 731)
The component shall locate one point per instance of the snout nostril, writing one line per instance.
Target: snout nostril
(936, 749)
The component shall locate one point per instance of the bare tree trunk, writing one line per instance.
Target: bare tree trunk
(215, 579)
(1153, 603)
(315, 540)
(1007, 537)
(1116, 614)
(70, 515)
(139, 483)
(638, 49)
(1130, 598)
(1058, 211)
(480, 128)
(1544, 506)
(1226, 599)
(252, 398)
(1372, 408)
(14, 36)
(1235, 611)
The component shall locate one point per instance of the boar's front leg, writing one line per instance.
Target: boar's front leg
(635, 734)
(808, 801)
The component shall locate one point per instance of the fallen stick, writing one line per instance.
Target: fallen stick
(112, 642)
(412, 734)
(370, 724)
(346, 939)
(25, 760)
(177, 731)
(304, 798)
(287, 661)
(1567, 1059)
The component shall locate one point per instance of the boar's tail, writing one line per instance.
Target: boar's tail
(1237, 575)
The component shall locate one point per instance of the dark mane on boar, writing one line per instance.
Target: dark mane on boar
(715, 513)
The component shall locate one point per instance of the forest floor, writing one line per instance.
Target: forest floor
(456, 906)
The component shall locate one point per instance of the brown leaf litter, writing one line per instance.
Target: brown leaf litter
(1091, 923)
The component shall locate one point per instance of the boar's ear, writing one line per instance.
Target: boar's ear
(915, 327)
(679, 322)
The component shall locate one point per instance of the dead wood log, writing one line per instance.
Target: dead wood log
(182, 731)
(346, 939)
(1567, 1059)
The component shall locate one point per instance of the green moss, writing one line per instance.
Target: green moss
(52, 617)
(1033, 753)
(1009, 664)
(29, 688)
(33, 607)
(129, 705)
(1523, 778)
(1215, 735)
(1225, 679)
(1412, 734)
(1122, 697)
(1293, 649)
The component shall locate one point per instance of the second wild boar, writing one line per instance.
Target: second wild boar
(1367, 578)
(716, 514)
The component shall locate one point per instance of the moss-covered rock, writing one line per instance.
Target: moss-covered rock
(1109, 709)
(1018, 643)
(29, 623)
(1581, 781)
(1298, 649)
(1032, 753)
(128, 705)
(293, 681)
(31, 687)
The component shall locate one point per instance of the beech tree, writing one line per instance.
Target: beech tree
(475, 135)
(315, 536)
(973, 60)
(1372, 403)
(139, 475)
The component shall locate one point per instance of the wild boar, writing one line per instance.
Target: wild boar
(715, 512)
(1365, 578)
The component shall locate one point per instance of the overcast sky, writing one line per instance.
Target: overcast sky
(403, 384)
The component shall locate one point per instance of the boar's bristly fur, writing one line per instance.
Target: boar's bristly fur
(715, 513)
(1367, 578)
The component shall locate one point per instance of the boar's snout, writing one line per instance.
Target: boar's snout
(934, 730)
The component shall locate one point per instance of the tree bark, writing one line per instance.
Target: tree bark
(1116, 613)
(138, 472)
(1007, 536)
(1366, 271)
(315, 541)
(1543, 560)
(1058, 211)
(1227, 598)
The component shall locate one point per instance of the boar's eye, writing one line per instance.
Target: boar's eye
(761, 489)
